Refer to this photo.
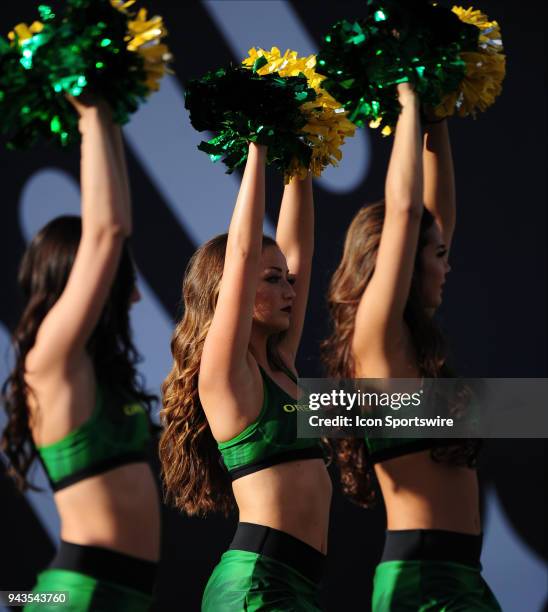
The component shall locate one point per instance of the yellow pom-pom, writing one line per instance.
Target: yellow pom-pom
(327, 124)
(143, 37)
(485, 69)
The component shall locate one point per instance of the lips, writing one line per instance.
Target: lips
(287, 309)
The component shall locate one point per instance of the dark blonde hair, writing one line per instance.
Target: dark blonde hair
(345, 291)
(195, 481)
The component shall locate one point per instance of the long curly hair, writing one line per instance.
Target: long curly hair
(43, 275)
(347, 286)
(195, 481)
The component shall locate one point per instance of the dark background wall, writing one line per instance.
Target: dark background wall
(495, 302)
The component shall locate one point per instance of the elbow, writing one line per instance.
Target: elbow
(115, 232)
(243, 249)
(110, 234)
(409, 206)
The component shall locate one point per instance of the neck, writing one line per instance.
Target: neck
(257, 345)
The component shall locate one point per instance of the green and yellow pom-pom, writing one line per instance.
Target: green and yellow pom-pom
(415, 41)
(485, 69)
(270, 99)
(327, 124)
(97, 46)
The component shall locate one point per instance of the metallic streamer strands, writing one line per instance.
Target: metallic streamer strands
(271, 99)
(97, 46)
(416, 41)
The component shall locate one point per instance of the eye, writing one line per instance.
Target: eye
(442, 253)
(291, 280)
(273, 279)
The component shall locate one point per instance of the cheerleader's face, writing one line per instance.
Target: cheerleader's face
(433, 267)
(275, 293)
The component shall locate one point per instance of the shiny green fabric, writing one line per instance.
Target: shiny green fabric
(107, 434)
(252, 582)
(273, 433)
(86, 594)
(431, 586)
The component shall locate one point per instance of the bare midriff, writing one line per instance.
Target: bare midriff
(294, 497)
(118, 510)
(420, 493)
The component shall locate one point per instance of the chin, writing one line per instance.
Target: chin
(276, 327)
(282, 327)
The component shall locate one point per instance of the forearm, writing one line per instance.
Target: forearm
(122, 172)
(103, 202)
(439, 176)
(295, 230)
(404, 181)
(246, 226)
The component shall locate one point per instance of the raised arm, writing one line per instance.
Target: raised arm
(439, 178)
(224, 368)
(106, 222)
(295, 237)
(379, 319)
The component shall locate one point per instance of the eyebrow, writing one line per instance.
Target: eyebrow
(277, 269)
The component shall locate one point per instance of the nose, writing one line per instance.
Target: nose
(289, 292)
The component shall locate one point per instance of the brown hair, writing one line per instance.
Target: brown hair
(345, 291)
(43, 274)
(194, 478)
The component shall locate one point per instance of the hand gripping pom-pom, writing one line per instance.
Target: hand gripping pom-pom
(327, 125)
(96, 46)
(275, 100)
(415, 41)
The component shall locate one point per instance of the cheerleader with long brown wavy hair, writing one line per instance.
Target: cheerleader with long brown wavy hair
(74, 400)
(228, 440)
(382, 299)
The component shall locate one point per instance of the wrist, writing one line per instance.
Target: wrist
(408, 100)
(257, 150)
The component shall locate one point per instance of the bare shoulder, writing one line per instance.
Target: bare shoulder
(232, 403)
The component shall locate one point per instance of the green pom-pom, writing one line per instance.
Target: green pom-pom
(79, 49)
(412, 41)
(244, 107)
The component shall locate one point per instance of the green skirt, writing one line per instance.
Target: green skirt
(86, 594)
(265, 570)
(96, 579)
(431, 586)
(250, 582)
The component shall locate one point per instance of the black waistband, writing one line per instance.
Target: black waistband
(98, 468)
(299, 454)
(432, 545)
(108, 565)
(280, 546)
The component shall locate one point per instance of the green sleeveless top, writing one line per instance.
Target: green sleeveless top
(108, 439)
(272, 438)
(384, 449)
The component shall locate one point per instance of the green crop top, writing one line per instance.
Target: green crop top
(108, 439)
(271, 439)
(383, 449)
